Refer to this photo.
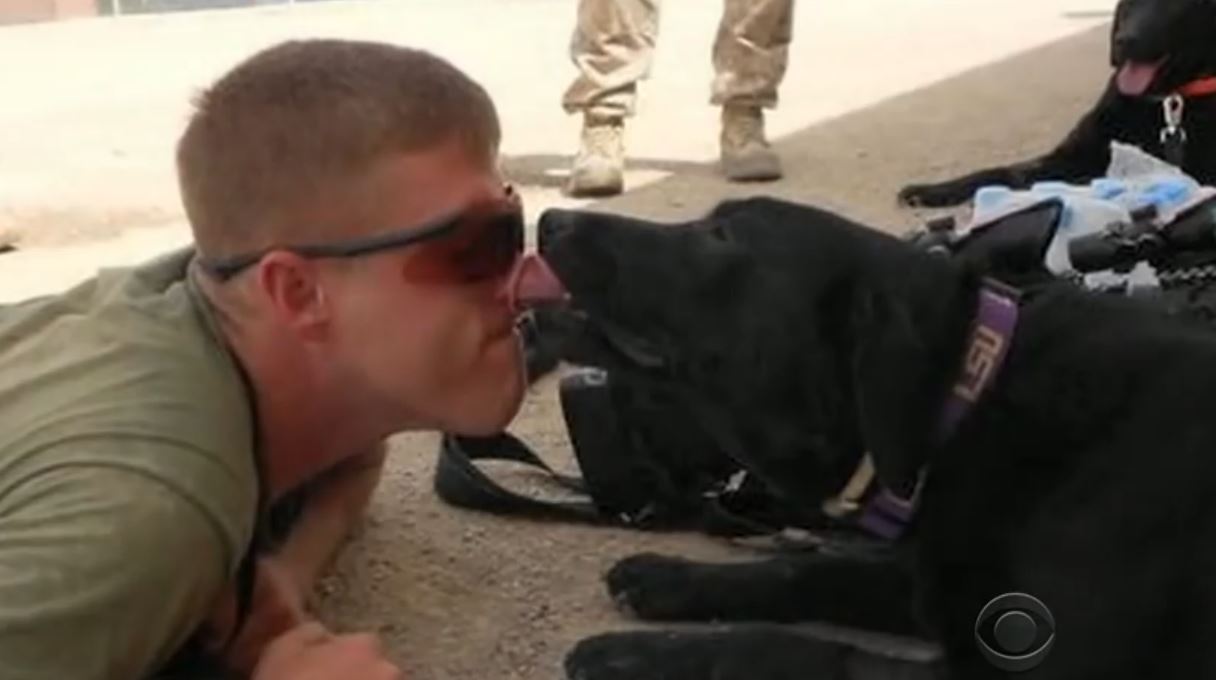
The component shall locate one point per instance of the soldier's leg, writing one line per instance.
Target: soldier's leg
(750, 57)
(612, 47)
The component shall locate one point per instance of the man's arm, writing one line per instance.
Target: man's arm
(331, 506)
(334, 505)
(104, 572)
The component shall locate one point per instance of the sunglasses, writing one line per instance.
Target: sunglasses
(480, 243)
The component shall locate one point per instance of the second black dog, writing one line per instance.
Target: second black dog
(1158, 48)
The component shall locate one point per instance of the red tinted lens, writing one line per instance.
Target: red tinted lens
(484, 244)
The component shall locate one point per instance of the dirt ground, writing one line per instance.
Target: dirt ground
(464, 596)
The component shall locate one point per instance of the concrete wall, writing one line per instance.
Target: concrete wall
(25, 11)
(22, 11)
(146, 6)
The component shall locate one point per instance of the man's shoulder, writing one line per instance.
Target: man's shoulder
(133, 346)
(110, 571)
(127, 370)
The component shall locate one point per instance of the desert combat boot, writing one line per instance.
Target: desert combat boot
(746, 154)
(599, 168)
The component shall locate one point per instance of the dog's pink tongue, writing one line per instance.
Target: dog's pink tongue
(1135, 78)
(533, 283)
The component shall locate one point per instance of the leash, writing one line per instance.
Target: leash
(1173, 135)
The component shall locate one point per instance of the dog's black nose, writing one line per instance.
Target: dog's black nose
(552, 226)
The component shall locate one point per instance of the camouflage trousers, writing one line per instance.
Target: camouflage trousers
(613, 47)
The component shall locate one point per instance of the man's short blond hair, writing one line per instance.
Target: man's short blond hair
(302, 121)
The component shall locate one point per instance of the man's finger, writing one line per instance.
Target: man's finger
(309, 633)
(368, 642)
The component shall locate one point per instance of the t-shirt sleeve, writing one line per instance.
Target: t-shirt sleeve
(104, 572)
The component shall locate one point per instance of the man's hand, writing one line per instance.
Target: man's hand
(277, 607)
(309, 652)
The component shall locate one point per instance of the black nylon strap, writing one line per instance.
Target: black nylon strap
(459, 482)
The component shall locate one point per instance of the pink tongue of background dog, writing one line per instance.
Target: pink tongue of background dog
(1135, 78)
(533, 282)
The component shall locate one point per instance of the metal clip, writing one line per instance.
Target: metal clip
(728, 486)
(1173, 107)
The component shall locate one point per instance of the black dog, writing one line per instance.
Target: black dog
(1158, 48)
(1081, 476)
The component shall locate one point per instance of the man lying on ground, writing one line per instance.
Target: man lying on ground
(199, 433)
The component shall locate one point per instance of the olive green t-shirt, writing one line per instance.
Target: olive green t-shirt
(128, 486)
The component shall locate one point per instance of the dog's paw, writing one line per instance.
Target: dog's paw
(613, 656)
(639, 655)
(930, 195)
(744, 653)
(654, 587)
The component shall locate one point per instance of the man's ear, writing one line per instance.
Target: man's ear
(892, 371)
(291, 286)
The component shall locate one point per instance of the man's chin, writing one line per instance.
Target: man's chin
(497, 405)
(490, 422)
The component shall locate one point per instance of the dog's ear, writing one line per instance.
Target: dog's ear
(892, 370)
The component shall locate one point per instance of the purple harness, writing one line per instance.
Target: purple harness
(887, 514)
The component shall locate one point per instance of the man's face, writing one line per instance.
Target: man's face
(434, 353)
